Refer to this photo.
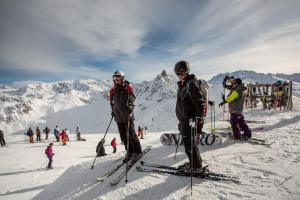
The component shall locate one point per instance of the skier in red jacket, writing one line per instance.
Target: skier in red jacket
(63, 136)
(114, 145)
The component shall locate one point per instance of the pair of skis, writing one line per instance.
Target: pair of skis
(122, 173)
(204, 174)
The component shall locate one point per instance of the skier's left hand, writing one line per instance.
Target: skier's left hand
(129, 110)
(221, 104)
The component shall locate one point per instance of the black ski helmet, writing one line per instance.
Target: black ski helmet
(118, 73)
(182, 66)
(237, 81)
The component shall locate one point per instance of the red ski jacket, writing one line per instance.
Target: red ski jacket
(113, 143)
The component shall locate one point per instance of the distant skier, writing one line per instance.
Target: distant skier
(122, 100)
(30, 135)
(38, 134)
(77, 132)
(100, 148)
(140, 132)
(56, 133)
(46, 131)
(63, 137)
(189, 106)
(113, 143)
(49, 153)
(236, 99)
(2, 141)
(67, 134)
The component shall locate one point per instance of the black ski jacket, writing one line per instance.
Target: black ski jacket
(122, 100)
(190, 101)
(30, 133)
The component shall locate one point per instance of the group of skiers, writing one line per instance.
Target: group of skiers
(30, 134)
(191, 109)
(62, 136)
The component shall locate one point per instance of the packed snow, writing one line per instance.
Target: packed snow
(265, 172)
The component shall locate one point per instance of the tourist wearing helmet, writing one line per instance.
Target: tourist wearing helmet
(236, 98)
(189, 105)
(122, 100)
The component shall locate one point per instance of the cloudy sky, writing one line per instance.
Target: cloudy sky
(53, 40)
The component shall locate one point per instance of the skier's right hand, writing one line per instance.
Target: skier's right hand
(221, 104)
(112, 114)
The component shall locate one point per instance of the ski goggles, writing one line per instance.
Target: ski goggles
(116, 78)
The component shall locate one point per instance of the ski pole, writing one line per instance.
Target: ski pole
(127, 148)
(211, 118)
(44, 163)
(92, 167)
(214, 117)
(192, 124)
(177, 146)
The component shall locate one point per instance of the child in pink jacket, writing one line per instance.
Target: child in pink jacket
(49, 153)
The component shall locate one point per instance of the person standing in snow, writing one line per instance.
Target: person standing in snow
(67, 134)
(236, 98)
(77, 132)
(38, 134)
(189, 105)
(49, 153)
(30, 135)
(113, 143)
(2, 141)
(46, 131)
(63, 137)
(139, 131)
(122, 100)
(56, 133)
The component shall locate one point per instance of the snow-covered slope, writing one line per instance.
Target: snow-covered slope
(265, 172)
(24, 105)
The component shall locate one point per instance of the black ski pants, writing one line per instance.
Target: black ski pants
(134, 143)
(2, 141)
(185, 131)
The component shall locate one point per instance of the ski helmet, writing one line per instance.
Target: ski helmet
(182, 66)
(237, 81)
(118, 73)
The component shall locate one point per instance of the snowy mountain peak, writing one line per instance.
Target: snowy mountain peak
(246, 76)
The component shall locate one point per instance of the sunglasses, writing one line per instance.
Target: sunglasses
(180, 73)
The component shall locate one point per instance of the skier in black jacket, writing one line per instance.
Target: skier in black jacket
(2, 141)
(189, 105)
(122, 100)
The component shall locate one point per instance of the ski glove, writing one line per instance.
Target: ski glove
(129, 110)
(221, 104)
(112, 114)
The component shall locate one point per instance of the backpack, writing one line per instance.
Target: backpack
(47, 151)
(203, 87)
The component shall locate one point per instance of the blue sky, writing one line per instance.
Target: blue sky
(63, 40)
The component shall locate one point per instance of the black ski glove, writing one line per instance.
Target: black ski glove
(221, 104)
(112, 114)
(211, 103)
(129, 110)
